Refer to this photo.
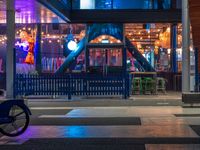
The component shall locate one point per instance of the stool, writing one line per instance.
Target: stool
(161, 85)
(148, 85)
(136, 85)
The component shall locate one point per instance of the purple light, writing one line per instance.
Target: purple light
(24, 45)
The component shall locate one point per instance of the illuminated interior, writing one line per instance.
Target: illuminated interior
(105, 39)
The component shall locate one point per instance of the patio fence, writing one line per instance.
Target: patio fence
(72, 85)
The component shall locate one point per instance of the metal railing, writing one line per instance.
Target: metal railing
(71, 85)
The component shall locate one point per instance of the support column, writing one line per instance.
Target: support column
(173, 48)
(185, 47)
(86, 49)
(196, 70)
(124, 53)
(38, 55)
(10, 54)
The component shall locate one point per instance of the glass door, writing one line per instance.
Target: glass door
(105, 60)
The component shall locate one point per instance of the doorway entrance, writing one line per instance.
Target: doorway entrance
(104, 59)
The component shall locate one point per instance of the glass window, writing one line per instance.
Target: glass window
(87, 4)
(102, 57)
(114, 57)
(121, 4)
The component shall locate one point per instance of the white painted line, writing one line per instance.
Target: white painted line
(52, 116)
(160, 103)
(49, 108)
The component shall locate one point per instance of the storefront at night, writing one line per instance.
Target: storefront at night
(139, 49)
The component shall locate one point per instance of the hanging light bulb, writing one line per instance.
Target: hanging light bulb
(72, 45)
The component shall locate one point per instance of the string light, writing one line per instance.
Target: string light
(168, 29)
(29, 29)
(50, 41)
(118, 41)
(24, 28)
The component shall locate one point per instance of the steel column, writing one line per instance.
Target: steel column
(38, 55)
(173, 48)
(185, 47)
(196, 71)
(10, 53)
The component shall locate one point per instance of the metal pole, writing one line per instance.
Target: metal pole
(10, 20)
(38, 55)
(196, 71)
(173, 46)
(185, 47)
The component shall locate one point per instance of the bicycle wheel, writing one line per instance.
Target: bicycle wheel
(20, 120)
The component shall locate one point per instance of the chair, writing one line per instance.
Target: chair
(149, 85)
(136, 85)
(161, 85)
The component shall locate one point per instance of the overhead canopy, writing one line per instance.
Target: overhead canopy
(30, 11)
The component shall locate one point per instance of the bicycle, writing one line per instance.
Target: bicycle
(14, 117)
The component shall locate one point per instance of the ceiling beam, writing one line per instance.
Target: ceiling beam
(59, 8)
(126, 16)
